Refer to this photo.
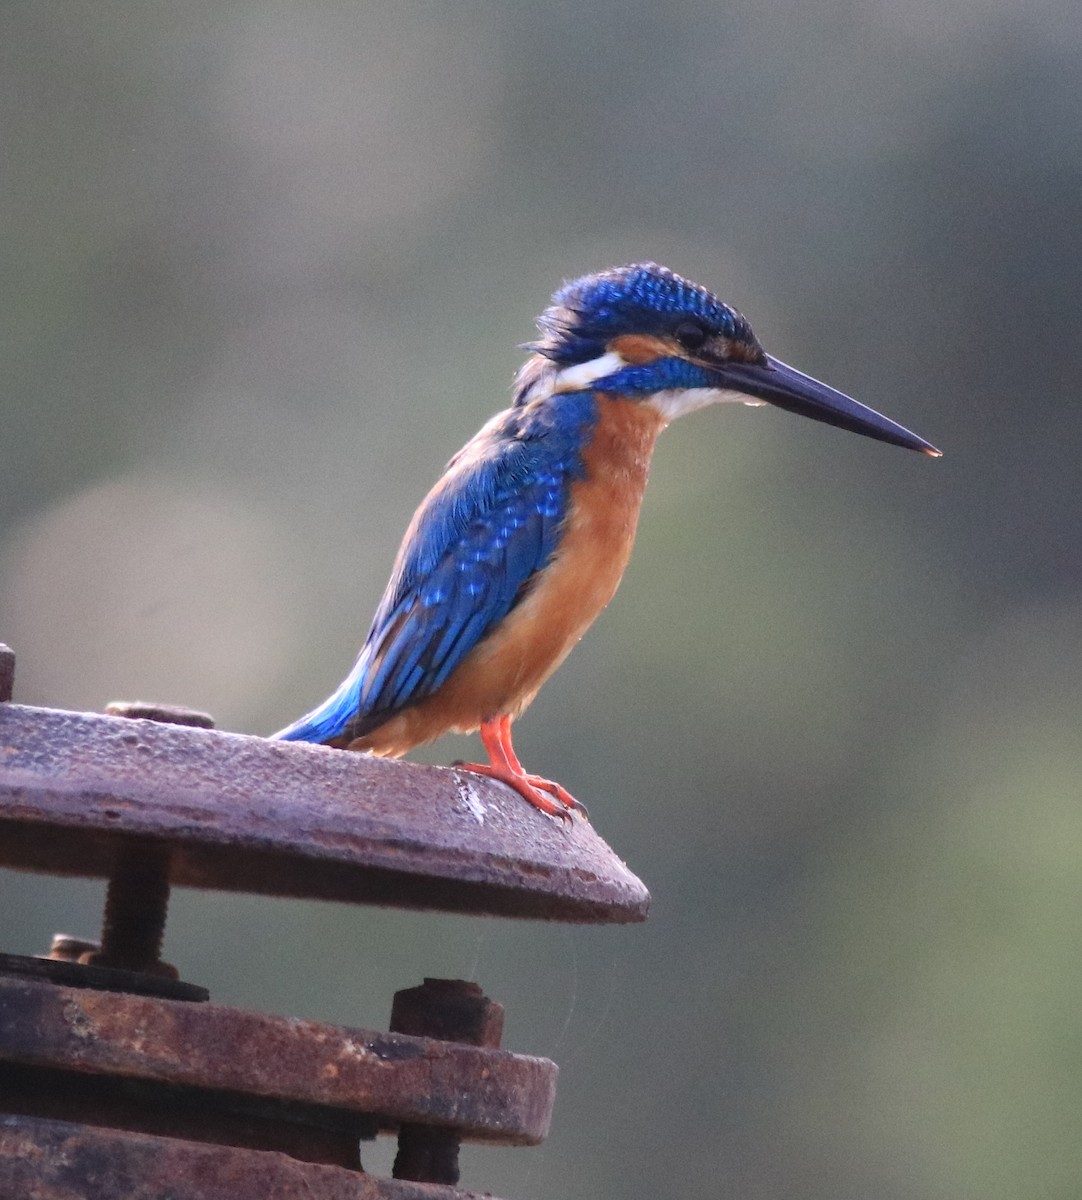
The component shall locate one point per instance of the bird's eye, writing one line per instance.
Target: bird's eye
(690, 335)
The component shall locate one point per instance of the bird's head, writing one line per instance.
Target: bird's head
(643, 332)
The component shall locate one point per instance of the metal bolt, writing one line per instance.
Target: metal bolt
(452, 1010)
(135, 908)
(7, 672)
(137, 900)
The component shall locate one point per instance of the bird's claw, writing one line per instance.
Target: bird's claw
(561, 793)
(531, 788)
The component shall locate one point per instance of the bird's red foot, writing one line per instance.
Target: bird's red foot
(522, 784)
(504, 765)
(560, 792)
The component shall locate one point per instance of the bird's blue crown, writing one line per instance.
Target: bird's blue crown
(640, 298)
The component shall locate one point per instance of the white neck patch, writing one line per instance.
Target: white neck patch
(580, 376)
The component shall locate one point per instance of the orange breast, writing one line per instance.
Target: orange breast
(503, 672)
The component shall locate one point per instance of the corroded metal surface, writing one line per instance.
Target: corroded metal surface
(306, 1132)
(453, 1010)
(483, 1094)
(252, 815)
(55, 1160)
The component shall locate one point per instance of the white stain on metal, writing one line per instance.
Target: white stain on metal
(470, 798)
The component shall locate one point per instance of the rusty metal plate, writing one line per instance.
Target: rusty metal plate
(287, 819)
(486, 1095)
(102, 979)
(56, 1160)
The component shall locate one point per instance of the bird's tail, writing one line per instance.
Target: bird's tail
(330, 719)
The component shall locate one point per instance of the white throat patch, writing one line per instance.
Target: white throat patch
(678, 401)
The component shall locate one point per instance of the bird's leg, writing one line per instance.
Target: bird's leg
(503, 764)
(538, 781)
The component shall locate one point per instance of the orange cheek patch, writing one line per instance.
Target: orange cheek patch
(639, 348)
(741, 351)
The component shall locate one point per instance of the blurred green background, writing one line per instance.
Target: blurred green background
(265, 267)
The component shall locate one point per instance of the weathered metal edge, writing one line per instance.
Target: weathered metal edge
(57, 1160)
(484, 1094)
(246, 813)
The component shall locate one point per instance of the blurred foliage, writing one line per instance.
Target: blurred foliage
(266, 267)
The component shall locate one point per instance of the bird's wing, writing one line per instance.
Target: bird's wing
(479, 537)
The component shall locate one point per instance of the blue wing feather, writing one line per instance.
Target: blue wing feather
(490, 523)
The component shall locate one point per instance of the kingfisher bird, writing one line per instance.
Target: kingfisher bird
(523, 540)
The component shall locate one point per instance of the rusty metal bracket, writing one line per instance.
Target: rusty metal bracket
(284, 819)
(487, 1095)
(56, 1160)
(483, 1094)
(114, 1083)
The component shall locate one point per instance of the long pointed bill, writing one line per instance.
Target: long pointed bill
(784, 387)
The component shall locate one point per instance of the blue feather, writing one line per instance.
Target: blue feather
(587, 313)
(488, 526)
(660, 375)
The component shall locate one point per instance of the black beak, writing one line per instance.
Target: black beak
(784, 387)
